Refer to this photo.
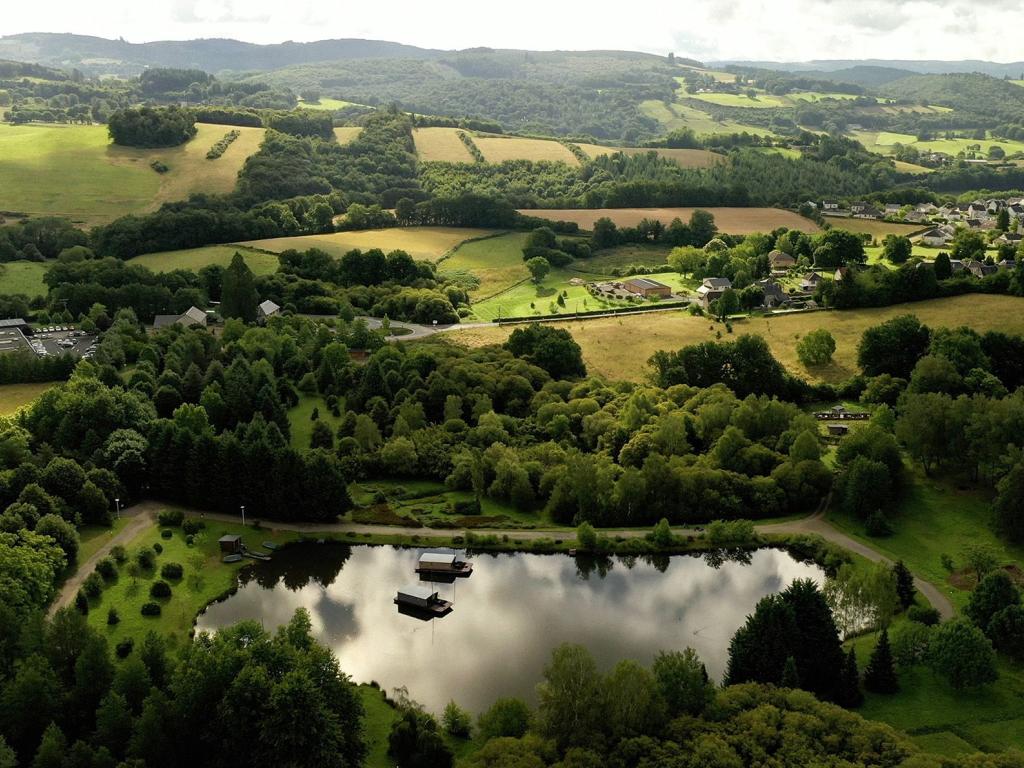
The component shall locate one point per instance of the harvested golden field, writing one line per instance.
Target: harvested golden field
(875, 228)
(497, 149)
(429, 243)
(684, 158)
(14, 397)
(441, 145)
(735, 221)
(345, 133)
(619, 347)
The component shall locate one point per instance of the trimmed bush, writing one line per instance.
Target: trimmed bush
(172, 571)
(192, 526)
(146, 558)
(107, 568)
(171, 518)
(166, 533)
(927, 616)
(82, 602)
(118, 553)
(466, 507)
(113, 617)
(93, 585)
(124, 648)
(160, 589)
(190, 540)
(150, 609)
(158, 548)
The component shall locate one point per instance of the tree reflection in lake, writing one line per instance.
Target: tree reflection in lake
(508, 615)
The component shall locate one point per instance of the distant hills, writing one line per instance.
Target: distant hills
(922, 67)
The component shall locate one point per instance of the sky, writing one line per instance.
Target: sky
(779, 30)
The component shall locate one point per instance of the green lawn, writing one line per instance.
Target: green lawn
(379, 717)
(13, 397)
(302, 424)
(205, 578)
(935, 519)
(92, 537)
(497, 262)
(194, 259)
(760, 101)
(325, 103)
(883, 141)
(23, 277)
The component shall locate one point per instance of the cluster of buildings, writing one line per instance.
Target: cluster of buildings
(978, 214)
(631, 288)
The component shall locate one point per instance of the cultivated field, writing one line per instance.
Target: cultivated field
(619, 347)
(685, 158)
(882, 143)
(345, 133)
(497, 149)
(441, 145)
(760, 100)
(875, 228)
(74, 170)
(23, 277)
(325, 104)
(420, 242)
(194, 259)
(675, 116)
(735, 221)
(13, 397)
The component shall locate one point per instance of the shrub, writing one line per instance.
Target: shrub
(93, 585)
(107, 568)
(466, 507)
(159, 166)
(877, 525)
(456, 721)
(146, 558)
(160, 589)
(150, 609)
(171, 518)
(158, 548)
(920, 614)
(190, 540)
(222, 144)
(113, 617)
(192, 526)
(81, 602)
(166, 533)
(125, 647)
(172, 571)
(117, 552)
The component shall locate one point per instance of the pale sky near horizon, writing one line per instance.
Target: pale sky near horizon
(780, 30)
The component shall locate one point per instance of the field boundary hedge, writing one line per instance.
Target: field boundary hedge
(594, 313)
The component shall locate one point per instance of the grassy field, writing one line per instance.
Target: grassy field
(497, 262)
(14, 397)
(882, 143)
(874, 253)
(619, 347)
(345, 133)
(379, 717)
(497, 149)
(302, 425)
(685, 158)
(675, 116)
(325, 104)
(761, 100)
(441, 145)
(650, 255)
(74, 171)
(205, 578)
(23, 277)
(735, 221)
(420, 242)
(194, 259)
(874, 227)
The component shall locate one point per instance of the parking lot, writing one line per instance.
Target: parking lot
(11, 339)
(62, 339)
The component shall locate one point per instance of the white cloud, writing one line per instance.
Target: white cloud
(789, 30)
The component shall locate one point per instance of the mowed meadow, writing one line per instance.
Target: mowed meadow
(194, 259)
(735, 221)
(430, 243)
(75, 171)
(619, 347)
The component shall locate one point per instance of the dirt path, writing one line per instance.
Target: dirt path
(142, 516)
(145, 514)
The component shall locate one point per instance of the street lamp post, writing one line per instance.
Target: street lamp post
(117, 507)
(243, 515)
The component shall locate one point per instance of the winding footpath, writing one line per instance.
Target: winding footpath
(144, 514)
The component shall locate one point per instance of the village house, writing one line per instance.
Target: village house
(644, 286)
(940, 237)
(1007, 264)
(266, 310)
(712, 290)
(1009, 238)
(829, 205)
(981, 269)
(192, 316)
(892, 209)
(811, 282)
(774, 295)
(781, 260)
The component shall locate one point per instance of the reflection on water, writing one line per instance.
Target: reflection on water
(508, 615)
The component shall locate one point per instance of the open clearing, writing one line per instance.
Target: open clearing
(497, 262)
(619, 347)
(441, 145)
(675, 116)
(13, 397)
(497, 149)
(760, 101)
(325, 104)
(429, 243)
(24, 277)
(74, 170)
(874, 227)
(735, 221)
(345, 133)
(194, 259)
(685, 158)
(882, 143)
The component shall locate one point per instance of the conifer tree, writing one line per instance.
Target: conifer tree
(880, 675)
(790, 678)
(850, 694)
(904, 584)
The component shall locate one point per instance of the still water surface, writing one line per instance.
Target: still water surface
(508, 616)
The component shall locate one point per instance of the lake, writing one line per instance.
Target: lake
(508, 615)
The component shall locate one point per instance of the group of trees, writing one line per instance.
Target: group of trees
(151, 127)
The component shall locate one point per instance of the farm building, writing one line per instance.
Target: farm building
(192, 316)
(230, 543)
(811, 282)
(781, 260)
(838, 430)
(266, 310)
(643, 286)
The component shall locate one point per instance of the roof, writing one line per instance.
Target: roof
(644, 282)
(195, 313)
(717, 282)
(417, 591)
(268, 307)
(12, 322)
(230, 537)
(161, 321)
(437, 557)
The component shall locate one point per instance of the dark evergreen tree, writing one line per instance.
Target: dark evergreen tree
(790, 677)
(904, 584)
(850, 694)
(238, 292)
(880, 674)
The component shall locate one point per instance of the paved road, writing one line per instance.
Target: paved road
(142, 516)
(145, 513)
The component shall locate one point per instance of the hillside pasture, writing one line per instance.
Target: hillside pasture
(74, 170)
(498, 149)
(619, 347)
(735, 221)
(761, 100)
(497, 262)
(194, 259)
(684, 158)
(441, 145)
(430, 243)
(25, 277)
(876, 228)
(14, 397)
(343, 134)
(325, 104)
